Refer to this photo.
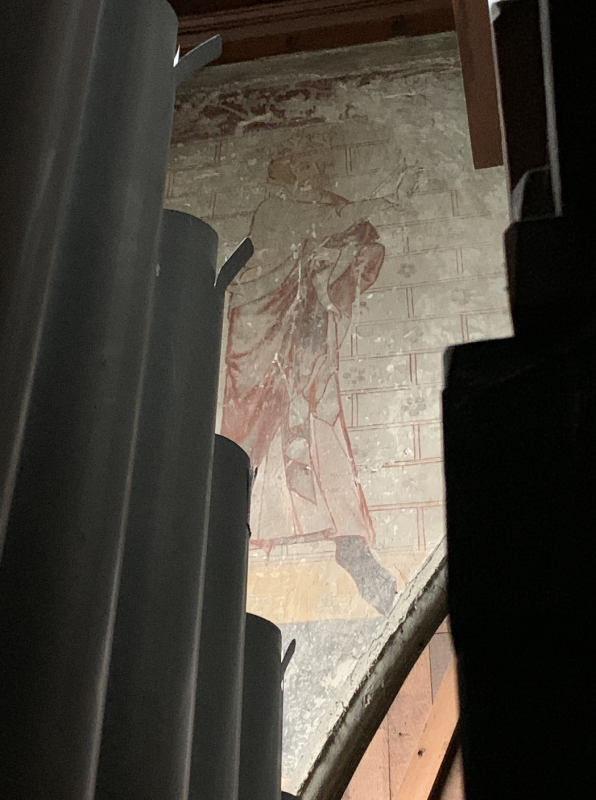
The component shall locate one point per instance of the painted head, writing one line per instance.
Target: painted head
(302, 165)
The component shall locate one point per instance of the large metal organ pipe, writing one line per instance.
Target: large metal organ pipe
(218, 708)
(65, 531)
(148, 722)
(43, 87)
(260, 749)
(109, 349)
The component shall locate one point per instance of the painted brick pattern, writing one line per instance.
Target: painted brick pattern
(442, 283)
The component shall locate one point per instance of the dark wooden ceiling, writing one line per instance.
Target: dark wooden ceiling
(185, 8)
(254, 28)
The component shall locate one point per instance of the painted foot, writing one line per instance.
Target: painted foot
(375, 584)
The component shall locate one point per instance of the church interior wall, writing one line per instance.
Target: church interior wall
(352, 172)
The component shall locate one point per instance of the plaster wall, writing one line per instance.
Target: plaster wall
(266, 149)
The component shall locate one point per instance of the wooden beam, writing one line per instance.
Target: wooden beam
(472, 23)
(291, 26)
(425, 767)
(521, 84)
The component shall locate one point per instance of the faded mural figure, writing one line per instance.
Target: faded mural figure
(290, 310)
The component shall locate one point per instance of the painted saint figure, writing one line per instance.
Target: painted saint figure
(289, 313)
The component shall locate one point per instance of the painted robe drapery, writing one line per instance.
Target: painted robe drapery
(288, 316)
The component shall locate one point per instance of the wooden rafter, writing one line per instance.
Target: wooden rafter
(263, 29)
(472, 23)
(425, 767)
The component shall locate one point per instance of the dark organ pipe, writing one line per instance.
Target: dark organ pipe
(149, 711)
(260, 749)
(42, 92)
(218, 706)
(60, 568)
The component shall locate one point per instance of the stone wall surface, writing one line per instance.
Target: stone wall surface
(377, 245)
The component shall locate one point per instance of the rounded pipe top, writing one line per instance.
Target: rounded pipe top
(231, 449)
(263, 627)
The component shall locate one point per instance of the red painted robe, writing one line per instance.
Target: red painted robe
(282, 401)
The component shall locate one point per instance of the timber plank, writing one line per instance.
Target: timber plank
(472, 23)
(265, 29)
(406, 719)
(371, 779)
(441, 653)
(426, 763)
